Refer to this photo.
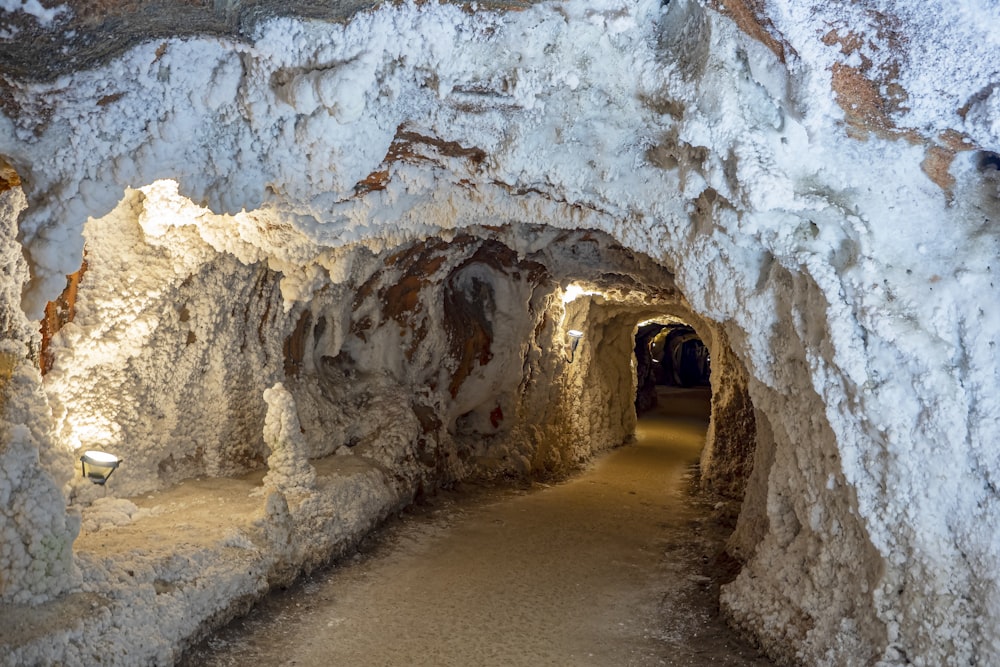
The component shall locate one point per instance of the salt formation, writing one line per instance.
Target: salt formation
(288, 467)
(36, 535)
(384, 215)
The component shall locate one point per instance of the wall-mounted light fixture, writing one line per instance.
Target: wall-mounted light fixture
(575, 336)
(97, 466)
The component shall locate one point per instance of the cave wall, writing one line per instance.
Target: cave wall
(645, 393)
(419, 363)
(727, 460)
(170, 349)
(601, 380)
(797, 165)
(36, 535)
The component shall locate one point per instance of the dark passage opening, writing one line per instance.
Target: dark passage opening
(668, 355)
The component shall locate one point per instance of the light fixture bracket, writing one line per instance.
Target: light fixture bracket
(575, 336)
(97, 466)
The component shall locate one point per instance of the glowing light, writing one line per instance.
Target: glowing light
(574, 291)
(97, 466)
(575, 336)
(93, 430)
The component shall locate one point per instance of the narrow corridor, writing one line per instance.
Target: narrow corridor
(612, 567)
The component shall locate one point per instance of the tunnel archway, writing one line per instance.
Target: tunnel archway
(374, 337)
(437, 360)
(668, 352)
(457, 371)
(852, 306)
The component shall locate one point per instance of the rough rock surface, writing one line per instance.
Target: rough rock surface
(813, 186)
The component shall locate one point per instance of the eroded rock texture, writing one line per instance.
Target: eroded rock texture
(389, 213)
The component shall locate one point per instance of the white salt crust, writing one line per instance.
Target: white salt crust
(857, 295)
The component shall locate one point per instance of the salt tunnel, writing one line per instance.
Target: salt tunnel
(333, 254)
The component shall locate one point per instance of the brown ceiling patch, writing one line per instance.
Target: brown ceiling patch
(58, 314)
(750, 17)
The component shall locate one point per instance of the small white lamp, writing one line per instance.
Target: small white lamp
(575, 335)
(97, 466)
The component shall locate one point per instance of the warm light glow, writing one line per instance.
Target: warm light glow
(164, 207)
(97, 466)
(575, 291)
(94, 457)
(83, 431)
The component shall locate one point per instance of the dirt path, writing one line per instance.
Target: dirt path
(614, 567)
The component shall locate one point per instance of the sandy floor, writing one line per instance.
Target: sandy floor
(617, 566)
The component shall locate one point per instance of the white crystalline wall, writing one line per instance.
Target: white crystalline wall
(168, 354)
(857, 292)
(36, 535)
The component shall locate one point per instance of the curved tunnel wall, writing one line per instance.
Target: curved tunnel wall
(869, 355)
(432, 362)
(435, 361)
